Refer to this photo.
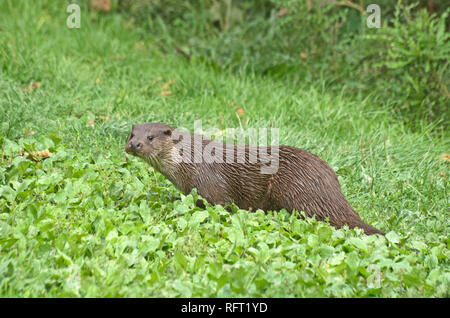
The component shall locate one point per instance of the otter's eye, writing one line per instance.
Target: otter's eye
(150, 138)
(131, 136)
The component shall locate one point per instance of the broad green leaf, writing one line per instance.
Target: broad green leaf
(393, 237)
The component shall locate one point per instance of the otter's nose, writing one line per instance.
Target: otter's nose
(135, 145)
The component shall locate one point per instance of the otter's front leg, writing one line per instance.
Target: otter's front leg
(200, 204)
(213, 189)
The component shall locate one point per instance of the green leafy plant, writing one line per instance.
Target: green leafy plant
(415, 55)
(88, 221)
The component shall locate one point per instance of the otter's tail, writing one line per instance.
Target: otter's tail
(369, 230)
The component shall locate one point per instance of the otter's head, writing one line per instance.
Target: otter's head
(149, 141)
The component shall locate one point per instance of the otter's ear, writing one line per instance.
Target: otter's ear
(168, 132)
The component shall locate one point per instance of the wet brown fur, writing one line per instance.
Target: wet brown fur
(303, 182)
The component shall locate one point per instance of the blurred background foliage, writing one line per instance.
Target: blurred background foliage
(405, 62)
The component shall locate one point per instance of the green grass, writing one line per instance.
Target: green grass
(88, 223)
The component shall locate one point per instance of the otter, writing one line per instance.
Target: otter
(301, 182)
